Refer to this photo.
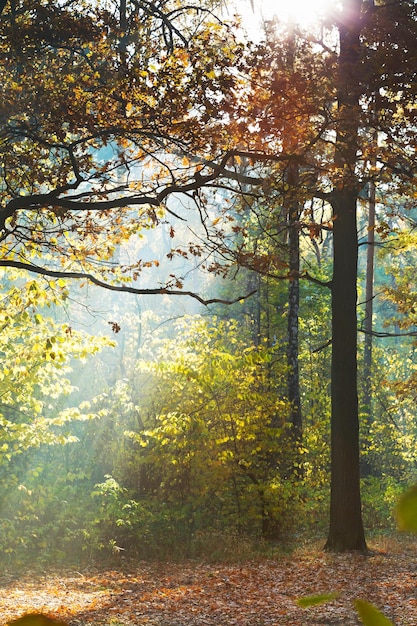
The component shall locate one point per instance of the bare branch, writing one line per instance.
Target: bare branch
(323, 347)
(316, 281)
(380, 334)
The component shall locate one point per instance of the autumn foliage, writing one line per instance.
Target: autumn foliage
(142, 145)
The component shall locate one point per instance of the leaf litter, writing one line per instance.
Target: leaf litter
(261, 592)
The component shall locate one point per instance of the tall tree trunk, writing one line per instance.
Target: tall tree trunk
(346, 527)
(255, 284)
(369, 297)
(122, 43)
(366, 467)
(293, 316)
(293, 212)
(369, 283)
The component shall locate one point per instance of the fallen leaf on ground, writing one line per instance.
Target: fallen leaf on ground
(261, 592)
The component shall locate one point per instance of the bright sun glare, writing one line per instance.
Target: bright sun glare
(303, 12)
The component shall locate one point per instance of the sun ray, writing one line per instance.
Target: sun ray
(306, 13)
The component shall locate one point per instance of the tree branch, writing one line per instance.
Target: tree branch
(316, 281)
(380, 334)
(37, 201)
(29, 267)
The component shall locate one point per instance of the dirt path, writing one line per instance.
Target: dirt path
(255, 593)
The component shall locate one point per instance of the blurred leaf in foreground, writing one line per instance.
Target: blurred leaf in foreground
(369, 614)
(307, 601)
(406, 510)
(36, 619)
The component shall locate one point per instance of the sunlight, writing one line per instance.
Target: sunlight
(303, 12)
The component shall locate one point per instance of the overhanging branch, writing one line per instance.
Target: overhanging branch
(35, 269)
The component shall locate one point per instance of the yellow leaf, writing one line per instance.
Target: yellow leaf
(317, 599)
(406, 511)
(369, 614)
(35, 619)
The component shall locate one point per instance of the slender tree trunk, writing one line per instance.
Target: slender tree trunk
(346, 527)
(122, 12)
(293, 318)
(369, 297)
(254, 284)
(366, 467)
(293, 210)
(369, 286)
(122, 43)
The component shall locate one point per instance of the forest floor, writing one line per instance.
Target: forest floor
(261, 592)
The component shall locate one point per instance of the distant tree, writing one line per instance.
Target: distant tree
(400, 294)
(41, 414)
(213, 424)
(34, 374)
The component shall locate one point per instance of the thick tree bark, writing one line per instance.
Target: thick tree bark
(346, 527)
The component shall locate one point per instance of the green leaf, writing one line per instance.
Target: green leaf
(369, 614)
(307, 601)
(406, 510)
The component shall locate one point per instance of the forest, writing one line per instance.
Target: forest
(208, 313)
